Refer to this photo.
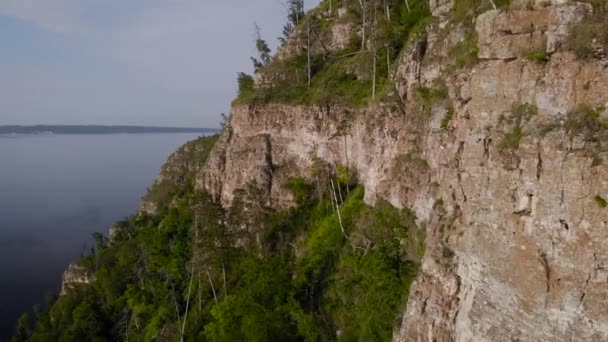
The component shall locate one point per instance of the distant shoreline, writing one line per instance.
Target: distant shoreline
(98, 129)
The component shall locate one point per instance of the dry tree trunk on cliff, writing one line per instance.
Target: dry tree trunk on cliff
(179, 321)
(212, 287)
(362, 3)
(200, 293)
(224, 276)
(338, 209)
(181, 338)
(374, 57)
(347, 169)
(308, 50)
(387, 10)
(407, 5)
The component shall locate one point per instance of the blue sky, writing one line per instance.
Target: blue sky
(135, 62)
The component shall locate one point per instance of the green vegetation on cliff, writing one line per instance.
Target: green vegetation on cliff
(197, 271)
(317, 72)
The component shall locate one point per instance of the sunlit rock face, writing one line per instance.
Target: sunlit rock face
(517, 243)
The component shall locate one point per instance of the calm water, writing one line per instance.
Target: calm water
(55, 191)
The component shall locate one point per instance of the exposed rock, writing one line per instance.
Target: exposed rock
(147, 208)
(509, 34)
(441, 7)
(519, 248)
(74, 276)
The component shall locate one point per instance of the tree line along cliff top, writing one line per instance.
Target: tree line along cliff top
(345, 52)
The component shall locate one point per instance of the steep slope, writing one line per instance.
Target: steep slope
(480, 129)
(497, 146)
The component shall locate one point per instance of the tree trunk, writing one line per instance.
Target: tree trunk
(388, 62)
(187, 307)
(374, 52)
(407, 4)
(347, 170)
(224, 276)
(362, 3)
(387, 10)
(200, 293)
(338, 209)
(212, 287)
(308, 52)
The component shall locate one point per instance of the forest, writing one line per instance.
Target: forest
(327, 268)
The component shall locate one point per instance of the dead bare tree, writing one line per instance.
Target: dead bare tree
(308, 68)
(363, 5)
(387, 10)
(224, 276)
(335, 198)
(212, 287)
(181, 338)
(374, 54)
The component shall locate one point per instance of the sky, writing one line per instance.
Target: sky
(127, 62)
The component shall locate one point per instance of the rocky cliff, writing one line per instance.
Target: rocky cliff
(499, 157)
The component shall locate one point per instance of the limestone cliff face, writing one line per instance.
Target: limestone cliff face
(178, 172)
(73, 277)
(517, 238)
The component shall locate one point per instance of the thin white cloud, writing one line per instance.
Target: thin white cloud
(53, 15)
(135, 61)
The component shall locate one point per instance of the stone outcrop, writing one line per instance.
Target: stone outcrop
(176, 173)
(517, 246)
(73, 277)
(510, 34)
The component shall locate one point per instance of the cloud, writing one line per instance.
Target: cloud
(53, 15)
(132, 61)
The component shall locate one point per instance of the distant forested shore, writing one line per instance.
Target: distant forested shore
(98, 129)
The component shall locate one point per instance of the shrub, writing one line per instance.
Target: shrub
(449, 114)
(587, 121)
(464, 54)
(585, 37)
(447, 252)
(538, 55)
(523, 111)
(601, 202)
(411, 161)
(467, 9)
(246, 85)
(511, 140)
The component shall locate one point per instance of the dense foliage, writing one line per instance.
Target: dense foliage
(200, 272)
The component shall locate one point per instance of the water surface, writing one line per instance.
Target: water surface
(55, 191)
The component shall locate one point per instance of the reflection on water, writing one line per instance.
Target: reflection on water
(55, 191)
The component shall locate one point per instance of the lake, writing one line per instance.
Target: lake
(55, 191)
